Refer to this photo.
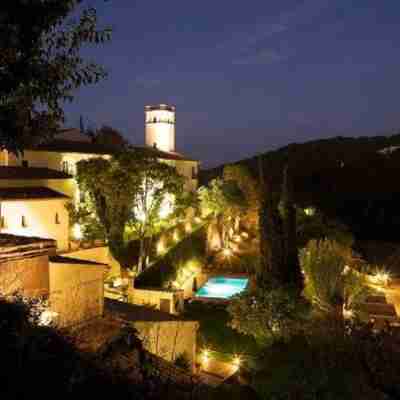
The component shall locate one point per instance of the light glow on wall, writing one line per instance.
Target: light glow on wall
(77, 232)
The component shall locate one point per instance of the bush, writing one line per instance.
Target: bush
(267, 315)
(326, 364)
(330, 282)
(318, 227)
(183, 362)
(39, 361)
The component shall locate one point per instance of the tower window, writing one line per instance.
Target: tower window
(194, 173)
(65, 167)
(23, 222)
(57, 219)
(25, 163)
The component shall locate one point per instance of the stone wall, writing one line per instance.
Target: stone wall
(76, 291)
(170, 301)
(28, 276)
(169, 339)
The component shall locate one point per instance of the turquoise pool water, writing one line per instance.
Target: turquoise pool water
(220, 287)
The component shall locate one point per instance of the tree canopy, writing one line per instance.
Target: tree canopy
(130, 193)
(41, 65)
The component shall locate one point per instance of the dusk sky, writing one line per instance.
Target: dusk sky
(247, 76)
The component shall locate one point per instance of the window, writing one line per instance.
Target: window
(57, 219)
(2, 222)
(23, 222)
(25, 163)
(65, 167)
(194, 173)
(82, 196)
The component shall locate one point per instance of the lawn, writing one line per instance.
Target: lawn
(214, 332)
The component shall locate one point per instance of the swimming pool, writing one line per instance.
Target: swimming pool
(221, 287)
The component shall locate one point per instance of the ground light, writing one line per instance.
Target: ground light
(237, 361)
(227, 252)
(381, 277)
(161, 248)
(205, 357)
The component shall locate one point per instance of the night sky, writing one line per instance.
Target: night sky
(247, 76)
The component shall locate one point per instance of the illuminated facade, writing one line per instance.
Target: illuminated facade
(35, 187)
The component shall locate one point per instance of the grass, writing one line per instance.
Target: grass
(215, 334)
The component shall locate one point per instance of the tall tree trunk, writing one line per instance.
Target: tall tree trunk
(279, 264)
(293, 274)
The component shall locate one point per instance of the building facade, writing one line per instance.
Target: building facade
(36, 186)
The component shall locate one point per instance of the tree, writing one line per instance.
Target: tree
(129, 193)
(41, 66)
(251, 192)
(267, 315)
(223, 201)
(331, 284)
(156, 197)
(279, 266)
(109, 136)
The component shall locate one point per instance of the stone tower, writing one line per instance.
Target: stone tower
(160, 126)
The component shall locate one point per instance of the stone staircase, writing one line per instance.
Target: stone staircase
(381, 310)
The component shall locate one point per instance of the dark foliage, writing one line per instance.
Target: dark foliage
(329, 363)
(346, 178)
(39, 362)
(165, 270)
(41, 66)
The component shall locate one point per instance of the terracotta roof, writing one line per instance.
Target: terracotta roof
(31, 173)
(14, 247)
(29, 193)
(10, 241)
(69, 260)
(153, 151)
(74, 146)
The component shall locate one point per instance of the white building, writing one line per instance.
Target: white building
(35, 187)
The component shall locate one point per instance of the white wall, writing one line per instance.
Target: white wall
(161, 132)
(185, 168)
(40, 217)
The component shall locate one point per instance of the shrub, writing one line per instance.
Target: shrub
(327, 363)
(183, 362)
(267, 315)
(330, 282)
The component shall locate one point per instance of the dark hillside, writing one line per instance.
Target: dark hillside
(349, 178)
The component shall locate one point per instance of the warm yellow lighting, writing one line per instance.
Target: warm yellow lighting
(77, 232)
(176, 235)
(381, 277)
(237, 362)
(245, 235)
(161, 248)
(237, 239)
(309, 211)
(348, 313)
(197, 220)
(166, 207)
(227, 252)
(188, 227)
(205, 356)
